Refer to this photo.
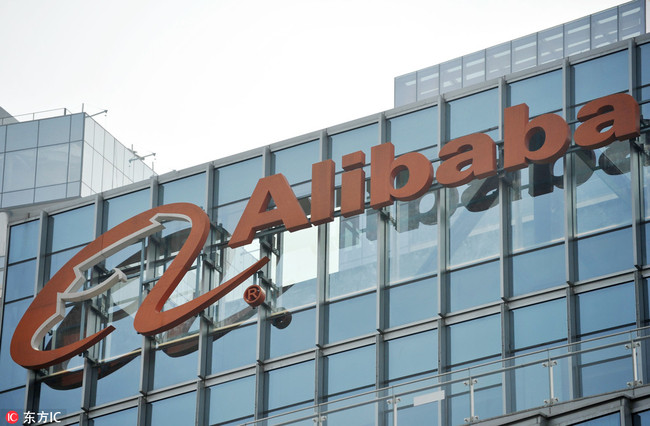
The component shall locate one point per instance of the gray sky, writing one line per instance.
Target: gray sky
(198, 80)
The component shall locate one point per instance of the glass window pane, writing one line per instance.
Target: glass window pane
(290, 385)
(237, 181)
(291, 332)
(451, 75)
(524, 53)
(537, 207)
(538, 270)
(232, 401)
(56, 396)
(603, 187)
(21, 279)
(351, 317)
(350, 370)
(610, 420)
(13, 400)
(606, 309)
(23, 241)
(542, 93)
(20, 170)
(526, 324)
(414, 131)
(13, 375)
(176, 362)
(604, 28)
(599, 77)
(118, 378)
(412, 302)
(74, 162)
(224, 340)
(428, 82)
(605, 254)
(352, 254)
(474, 286)
(294, 271)
(22, 135)
(295, 162)
(473, 68)
(577, 36)
(472, 114)
(413, 355)
(118, 209)
(475, 339)
(405, 89)
(126, 417)
(630, 20)
(498, 60)
(361, 139)
(473, 221)
(550, 45)
(178, 410)
(82, 220)
(54, 131)
(187, 190)
(413, 238)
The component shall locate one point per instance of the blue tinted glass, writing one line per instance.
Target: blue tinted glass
(475, 339)
(20, 280)
(224, 357)
(473, 113)
(174, 364)
(352, 254)
(23, 241)
(488, 402)
(537, 206)
(413, 238)
(600, 77)
(178, 410)
(22, 135)
(60, 226)
(473, 221)
(290, 385)
(414, 131)
(54, 130)
(297, 335)
(361, 139)
(526, 323)
(232, 400)
(126, 417)
(56, 394)
(12, 375)
(606, 371)
(606, 308)
(412, 302)
(228, 216)
(604, 254)
(542, 93)
(352, 317)
(642, 418)
(237, 181)
(603, 197)
(350, 370)
(474, 286)
(412, 355)
(12, 400)
(295, 268)
(538, 270)
(295, 162)
(610, 420)
(187, 190)
(644, 64)
(118, 209)
(117, 379)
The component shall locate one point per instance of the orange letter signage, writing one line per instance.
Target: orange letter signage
(620, 112)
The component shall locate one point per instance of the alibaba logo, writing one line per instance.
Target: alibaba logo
(48, 307)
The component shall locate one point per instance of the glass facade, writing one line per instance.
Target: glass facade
(517, 291)
(62, 157)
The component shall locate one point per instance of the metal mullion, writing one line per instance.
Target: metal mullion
(381, 366)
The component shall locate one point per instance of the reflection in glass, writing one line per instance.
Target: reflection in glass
(412, 302)
(176, 361)
(291, 331)
(20, 281)
(13, 375)
(351, 317)
(23, 241)
(483, 333)
(295, 162)
(224, 340)
(118, 378)
(538, 270)
(187, 190)
(126, 417)
(361, 139)
(474, 286)
(352, 254)
(412, 236)
(473, 221)
(237, 181)
(472, 113)
(350, 370)
(414, 131)
(605, 254)
(413, 355)
(542, 93)
(524, 53)
(59, 225)
(232, 400)
(54, 131)
(294, 270)
(600, 77)
(20, 170)
(178, 410)
(526, 321)
(22, 135)
(289, 386)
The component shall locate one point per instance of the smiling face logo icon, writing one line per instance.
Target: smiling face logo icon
(48, 307)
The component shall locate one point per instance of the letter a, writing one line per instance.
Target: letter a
(257, 215)
(619, 111)
(519, 131)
